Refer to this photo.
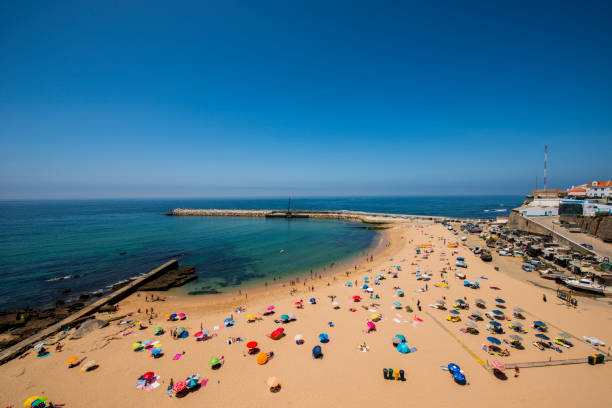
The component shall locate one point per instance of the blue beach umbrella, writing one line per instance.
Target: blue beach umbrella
(453, 368)
(349, 283)
(397, 304)
(364, 287)
(366, 279)
(205, 332)
(498, 312)
(539, 323)
(403, 348)
(400, 292)
(316, 352)
(460, 378)
(495, 324)
(454, 312)
(460, 301)
(494, 340)
(401, 337)
(500, 300)
(173, 316)
(542, 336)
(156, 351)
(324, 337)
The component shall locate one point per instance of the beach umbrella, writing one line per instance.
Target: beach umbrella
(146, 342)
(88, 366)
(401, 337)
(251, 344)
(158, 329)
(316, 351)
(440, 302)
(213, 361)
(495, 324)
(285, 317)
(34, 401)
(542, 336)
(498, 312)
(335, 304)
(453, 368)
(272, 382)
(370, 290)
(565, 335)
(374, 316)
(364, 287)
(136, 346)
(498, 365)
(172, 316)
(500, 300)
(366, 279)
(198, 334)
(371, 325)
(205, 332)
(298, 337)
(262, 358)
(182, 316)
(471, 324)
(270, 307)
(179, 330)
(324, 337)
(149, 375)
(480, 301)
(396, 341)
(403, 348)
(356, 298)
(460, 301)
(517, 324)
(291, 316)
(397, 304)
(454, 312)
(539, 323)
(476, 313)
(179, 386)
(400, 292)
(494, 340)
(228, 320)
(250, 317)
(156, 351)
(519, 310)
(516, 337)
(192, 380)
(72, 360)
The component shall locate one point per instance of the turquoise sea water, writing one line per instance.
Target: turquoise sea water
(41, 242)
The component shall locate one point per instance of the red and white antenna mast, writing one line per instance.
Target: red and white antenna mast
(545, 159)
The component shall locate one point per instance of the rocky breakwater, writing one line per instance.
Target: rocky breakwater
(171, 279)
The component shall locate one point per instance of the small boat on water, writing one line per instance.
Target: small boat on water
(586, 285)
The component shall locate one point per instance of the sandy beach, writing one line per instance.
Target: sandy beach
(345, 376)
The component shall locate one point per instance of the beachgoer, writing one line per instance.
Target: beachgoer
(516, 371)
(544, 297)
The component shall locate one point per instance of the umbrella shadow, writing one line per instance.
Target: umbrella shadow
(500, 375)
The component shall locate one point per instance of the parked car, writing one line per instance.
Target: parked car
(587, 246)
(504, 253)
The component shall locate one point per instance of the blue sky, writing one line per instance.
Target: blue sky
(157, 99)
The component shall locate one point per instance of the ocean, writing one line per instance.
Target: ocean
(49, 246)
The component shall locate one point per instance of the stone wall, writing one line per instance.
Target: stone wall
(599, 226)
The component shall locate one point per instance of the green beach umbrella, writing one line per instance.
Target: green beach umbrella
(284, 317)
(214, 361)
(157, 329)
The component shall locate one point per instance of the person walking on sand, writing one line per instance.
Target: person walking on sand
(516, 371)
(544, 297)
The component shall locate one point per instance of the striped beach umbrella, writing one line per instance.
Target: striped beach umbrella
(498, 365)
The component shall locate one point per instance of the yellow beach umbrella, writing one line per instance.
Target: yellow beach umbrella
(136, 345)
(374, 316)
(72, 360)
(250, 317)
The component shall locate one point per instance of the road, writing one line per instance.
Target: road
(599, 247)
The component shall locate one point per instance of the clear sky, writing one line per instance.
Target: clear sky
(271, 98)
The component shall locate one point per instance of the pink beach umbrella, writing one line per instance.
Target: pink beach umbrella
(371, 325)
(270, 308)
(182, 316)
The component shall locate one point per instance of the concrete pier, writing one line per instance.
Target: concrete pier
(24, 345)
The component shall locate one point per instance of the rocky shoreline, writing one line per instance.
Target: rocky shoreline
(17, 325)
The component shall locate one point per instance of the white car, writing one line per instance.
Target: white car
(504, 253)
(593, 340)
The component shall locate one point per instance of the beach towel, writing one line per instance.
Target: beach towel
(44, 355)
(177, 356)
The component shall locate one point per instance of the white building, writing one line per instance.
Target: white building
(591, 209)
(529, 211)
(599, 189)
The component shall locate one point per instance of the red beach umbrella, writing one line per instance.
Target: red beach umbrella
(498, 365)
(251, 344)
(277, 332)
(148, 375)
(179, 386)
(198, 334)
(356, 298)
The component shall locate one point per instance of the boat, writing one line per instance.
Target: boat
(550, 274)
(586, 285)
(528, 268)
(486, 256)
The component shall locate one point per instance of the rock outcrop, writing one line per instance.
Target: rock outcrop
(171, 279)
(87, 327)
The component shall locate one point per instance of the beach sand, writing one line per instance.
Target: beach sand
(345, 376)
